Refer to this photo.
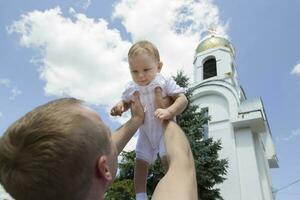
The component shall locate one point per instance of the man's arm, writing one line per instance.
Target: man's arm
(180, 180)
(122, 136)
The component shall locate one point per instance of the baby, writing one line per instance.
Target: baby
(145, 67)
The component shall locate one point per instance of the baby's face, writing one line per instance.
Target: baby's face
(143, 68)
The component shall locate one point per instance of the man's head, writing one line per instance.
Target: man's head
(144, 62)
(56, 151)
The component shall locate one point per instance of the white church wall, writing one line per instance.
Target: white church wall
(248, 167)
(247, 172)
(267, 141)
(224, 61)
(225, 96)
(262, 161)
(230, 188)
(218, 107)
(220, 128)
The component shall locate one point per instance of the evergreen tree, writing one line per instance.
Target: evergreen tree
(210, 170)
(121, 190)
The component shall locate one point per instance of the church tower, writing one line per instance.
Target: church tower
(240, 123)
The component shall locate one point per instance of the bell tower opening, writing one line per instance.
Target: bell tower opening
(209, 68)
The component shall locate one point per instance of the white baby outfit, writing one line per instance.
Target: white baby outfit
(150, 141)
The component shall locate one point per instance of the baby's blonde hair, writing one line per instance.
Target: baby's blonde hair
(143, 46)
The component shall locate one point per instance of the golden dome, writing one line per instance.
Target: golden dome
(214, 41)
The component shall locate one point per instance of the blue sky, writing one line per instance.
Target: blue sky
(54, 48)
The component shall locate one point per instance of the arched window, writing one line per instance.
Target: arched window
(209, 68)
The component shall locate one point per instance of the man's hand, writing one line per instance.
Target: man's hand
(160, 101)
(137, 112)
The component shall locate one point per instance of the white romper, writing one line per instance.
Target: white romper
(150, 140)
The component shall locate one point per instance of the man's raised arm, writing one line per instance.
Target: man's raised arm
(179, 183)
(122, 136)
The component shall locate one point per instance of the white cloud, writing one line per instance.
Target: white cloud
(87, 4)
(1, 114)
(5, 196)
(5, 82)
(79, 57)
(176, 27)
(14, 91)
(296, 70)
(82, 57)
(295, 133)
(83, 4)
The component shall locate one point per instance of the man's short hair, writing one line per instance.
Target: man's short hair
(51, 153)
(143, 46)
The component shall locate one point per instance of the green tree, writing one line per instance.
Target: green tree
(210, 170)
(121, 190)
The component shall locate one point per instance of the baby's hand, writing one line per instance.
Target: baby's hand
(118, 109)
(163, 114)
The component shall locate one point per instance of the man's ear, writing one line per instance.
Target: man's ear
(103, 169)
(160, 64)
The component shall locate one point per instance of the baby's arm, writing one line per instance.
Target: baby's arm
(174, 109)
(119, 108)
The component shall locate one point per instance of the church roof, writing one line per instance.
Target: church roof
(213, 41)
